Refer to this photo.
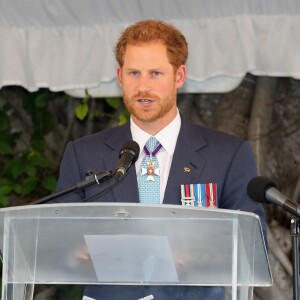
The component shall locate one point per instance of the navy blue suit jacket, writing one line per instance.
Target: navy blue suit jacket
(212, 156)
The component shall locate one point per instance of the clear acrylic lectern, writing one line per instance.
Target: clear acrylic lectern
(104, 243)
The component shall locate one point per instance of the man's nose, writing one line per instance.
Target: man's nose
(144, 84)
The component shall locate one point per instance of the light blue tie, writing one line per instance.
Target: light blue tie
(149, 176)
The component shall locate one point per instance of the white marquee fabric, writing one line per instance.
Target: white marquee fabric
(68, 44)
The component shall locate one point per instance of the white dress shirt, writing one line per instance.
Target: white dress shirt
(168, 138)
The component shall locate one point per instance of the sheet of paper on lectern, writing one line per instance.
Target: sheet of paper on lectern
(132, 258)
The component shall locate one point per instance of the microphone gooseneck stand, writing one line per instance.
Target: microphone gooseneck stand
(90, 180)
(294, 230)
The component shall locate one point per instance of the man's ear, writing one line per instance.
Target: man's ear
(180, 76)
(119, 76)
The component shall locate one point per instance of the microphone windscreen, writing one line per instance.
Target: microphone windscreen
(131, 146)
(257, 188)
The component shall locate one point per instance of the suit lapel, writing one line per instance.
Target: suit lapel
(187, 163)
(126, 190)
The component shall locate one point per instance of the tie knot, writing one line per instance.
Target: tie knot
(151, 143)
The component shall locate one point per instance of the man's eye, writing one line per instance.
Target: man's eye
(155, 73)
(134, 73)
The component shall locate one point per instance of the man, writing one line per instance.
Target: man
(151, 56)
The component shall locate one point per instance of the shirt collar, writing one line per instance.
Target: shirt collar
(167, 136)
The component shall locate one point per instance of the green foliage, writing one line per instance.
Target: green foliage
(116, 103)
(82, 109)
(124, 117)
(26, 173)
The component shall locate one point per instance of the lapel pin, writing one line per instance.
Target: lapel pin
(186, 170)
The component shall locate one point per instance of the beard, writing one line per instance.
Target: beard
(151, 114)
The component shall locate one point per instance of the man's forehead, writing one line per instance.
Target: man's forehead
(146, 52)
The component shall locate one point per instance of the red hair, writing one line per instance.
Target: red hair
(154, 31)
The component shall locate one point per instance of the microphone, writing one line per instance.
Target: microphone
(129, 154)
(264, 190)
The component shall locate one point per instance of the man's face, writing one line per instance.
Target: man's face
(150, 83)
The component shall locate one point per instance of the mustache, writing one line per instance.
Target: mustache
(145, 95)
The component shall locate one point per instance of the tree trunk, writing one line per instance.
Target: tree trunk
(261, 120)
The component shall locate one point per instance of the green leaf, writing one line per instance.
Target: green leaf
(114, 102)
(28, 186)
(49, 183)
(30, 171)
(35, 159)
(81, 111)
(17, 168)
(5, 190)
(18, 189)
(3, 200)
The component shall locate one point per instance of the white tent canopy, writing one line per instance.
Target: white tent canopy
(69, 44)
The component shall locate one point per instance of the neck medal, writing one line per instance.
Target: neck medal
(150, 171)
